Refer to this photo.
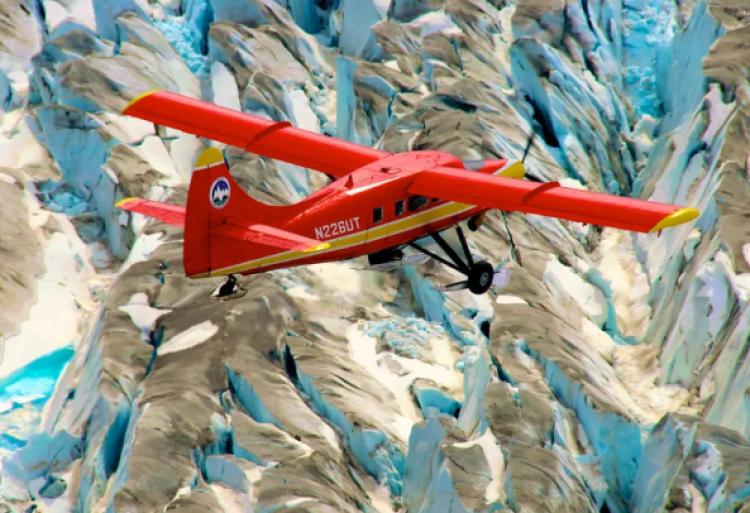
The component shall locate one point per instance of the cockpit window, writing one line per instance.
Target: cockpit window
(417, 202)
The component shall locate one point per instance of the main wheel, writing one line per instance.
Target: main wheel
(480, 277)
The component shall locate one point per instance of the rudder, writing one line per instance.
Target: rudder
(213, 198)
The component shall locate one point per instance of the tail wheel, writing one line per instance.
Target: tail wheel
(480, 277)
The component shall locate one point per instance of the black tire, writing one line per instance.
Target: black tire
(473, 223)
(480, 277)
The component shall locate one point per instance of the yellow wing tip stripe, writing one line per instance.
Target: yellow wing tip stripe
(139, 98)
(677, 217)
(513, 170)
(209, 157)
(124, 201)
(317, 247)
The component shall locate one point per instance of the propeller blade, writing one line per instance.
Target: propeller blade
(528, 146)
(501, 278)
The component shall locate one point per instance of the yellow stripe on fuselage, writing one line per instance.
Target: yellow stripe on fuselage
(380, 232)
(396, 227)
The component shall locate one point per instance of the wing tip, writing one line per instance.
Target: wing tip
(514, 169)
(680, 216)
(209, 157)
(124, 202)
(139, 98)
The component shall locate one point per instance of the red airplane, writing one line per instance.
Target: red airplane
(378, 203)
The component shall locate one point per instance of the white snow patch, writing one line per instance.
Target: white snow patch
(573, 184)
(5, 177)
(602, 342)
(18, 146)
(495, 461)
(718, 112)
(144, 245)
(746, 252)
(126, 129)
(184, 150)
(142, 314)
(379, 495)
(55, 320)
(505, 299)
(637, 368)
(226, 92)
(191, 337)
(153, 151)
(302, 112)
(66, 292)
(298, 502)
(362, 350)
(435, 21)
(82, 11)
(230, 500)
(392, 64)
(382, 6)
(54, 14)
(63, 503)
(562, 279)
(338, 277)
(302, 292)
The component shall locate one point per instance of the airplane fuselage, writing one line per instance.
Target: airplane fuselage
(366, 212)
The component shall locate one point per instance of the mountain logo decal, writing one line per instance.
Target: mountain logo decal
(220, 192)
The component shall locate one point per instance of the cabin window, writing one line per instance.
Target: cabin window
(377, 215)
(417, 202)
(435, 200)
(399, 207)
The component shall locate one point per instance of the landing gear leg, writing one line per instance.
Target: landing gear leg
(479, 274)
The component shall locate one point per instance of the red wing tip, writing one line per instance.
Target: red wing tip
(139, 98)
(680, 216)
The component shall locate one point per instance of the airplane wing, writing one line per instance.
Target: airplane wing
(165, 212)
(276, 140)
(270, 236)
(549, 199)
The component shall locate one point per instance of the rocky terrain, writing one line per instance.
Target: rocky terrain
(608, 372)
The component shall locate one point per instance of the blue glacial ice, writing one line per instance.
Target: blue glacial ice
(28, 389)
(428, 486)
(616, 441)
(188, 34)
(379, 456)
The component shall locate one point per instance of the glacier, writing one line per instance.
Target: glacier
(604, 372)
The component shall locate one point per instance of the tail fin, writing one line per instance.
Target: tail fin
(213, 199)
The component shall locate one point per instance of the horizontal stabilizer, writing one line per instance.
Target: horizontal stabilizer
(270, 236)
(165, 212)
